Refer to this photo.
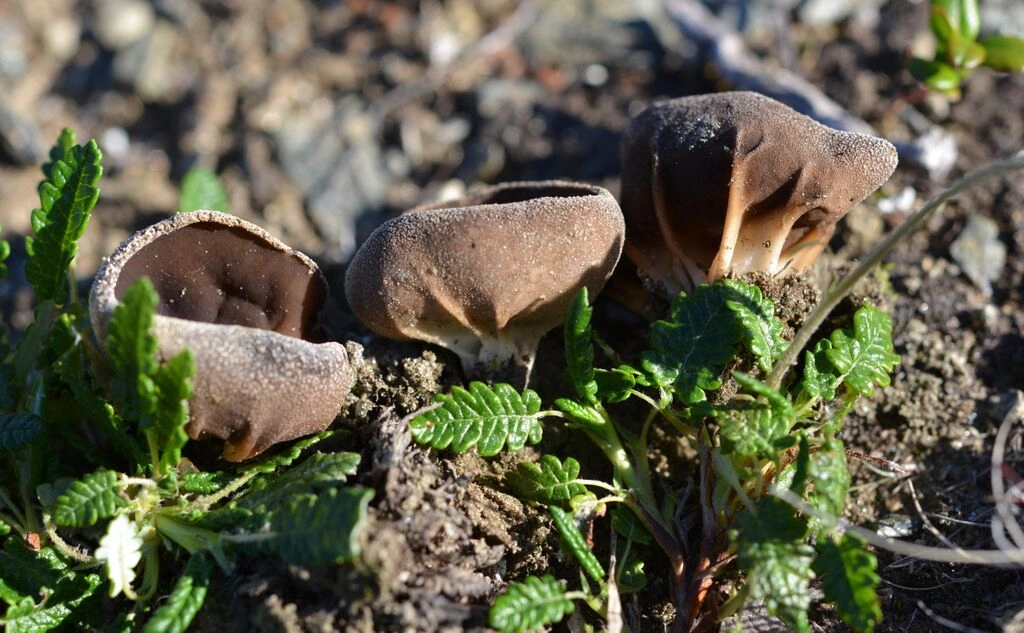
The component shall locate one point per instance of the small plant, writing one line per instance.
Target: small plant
(96, 498)
(751, 447)
(956, 25)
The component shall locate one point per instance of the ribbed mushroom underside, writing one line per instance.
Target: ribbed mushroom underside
(737, 182)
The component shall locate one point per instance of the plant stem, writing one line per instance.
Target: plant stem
(841, 288)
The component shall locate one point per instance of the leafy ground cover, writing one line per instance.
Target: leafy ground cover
(438, 530)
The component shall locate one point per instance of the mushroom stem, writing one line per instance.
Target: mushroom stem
(505, 359)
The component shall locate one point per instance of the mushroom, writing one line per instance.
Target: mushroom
(736, 182)
(486, 276)
(246, 305)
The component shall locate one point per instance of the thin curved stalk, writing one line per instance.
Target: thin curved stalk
(840, 289)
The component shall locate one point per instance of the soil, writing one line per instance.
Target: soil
(323, 119)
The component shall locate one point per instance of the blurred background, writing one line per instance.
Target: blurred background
(325, 117)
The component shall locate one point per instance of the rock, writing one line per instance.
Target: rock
(979, 252)
(328, 151)
(119, 23)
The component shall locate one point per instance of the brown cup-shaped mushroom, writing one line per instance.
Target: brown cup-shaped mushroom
(736, 182)
(246, 306)
(486, 276)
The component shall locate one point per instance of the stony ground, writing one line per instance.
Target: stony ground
(325, 118)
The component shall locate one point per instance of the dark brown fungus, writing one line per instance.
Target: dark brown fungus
(246, 306)
(488, 275)
(736, 182)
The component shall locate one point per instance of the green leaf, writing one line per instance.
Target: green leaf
(67, 198)
(690, 350)
(759, 427)
(864, 357)
(550, 481)
(963, 17)
(936, 75)
(573, 540)
(849, 579)
(5, 252)
(202, 189)
(318, 471)
(318, 529)
(1004, 53)
(485, 417)
(581, 414)
(120, 551)
(626, 523)
(579, 347)
(181, 607)
(829, 475)
(131, 349)
(202, 483)
(88, 500)
(173, 383)
(772, 551)
(35, 574)
(288, 457)
(614, 385)
(531, 604)
(820, 378)
(756, 314)
(17, 430)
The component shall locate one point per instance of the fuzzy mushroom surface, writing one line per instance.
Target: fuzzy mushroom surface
(246, 305)
(487, 275)
(736, 182)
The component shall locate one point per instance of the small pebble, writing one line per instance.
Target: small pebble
(979, 252)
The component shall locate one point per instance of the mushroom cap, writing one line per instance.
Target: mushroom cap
(494, 270)
(737, 182)
(246, 306)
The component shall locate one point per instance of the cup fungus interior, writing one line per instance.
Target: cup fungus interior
(213, 273)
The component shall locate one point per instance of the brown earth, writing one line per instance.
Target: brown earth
(325, 118)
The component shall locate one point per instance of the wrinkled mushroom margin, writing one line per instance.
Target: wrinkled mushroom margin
(252, 387)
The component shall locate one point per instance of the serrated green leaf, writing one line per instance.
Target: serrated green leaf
(67, 198)
(579, 347)
(573, 540)
(288, 457)
(581, 414)
(483, 416)
(549, 481)
(820, 378)
(1004, 53)
(173, 383)
(320, 529)
(203, 483)
(760, 427)
(35, 574)
(17, 430)
(202, 189)
(756, 314)
(318, 471)
(849, 579)
(829, 476)
(627, 525)
(689, 351)
(614, 385)
(772, 551)
(131, 348)
(88, 500)
(531, 604)
(864, 357)
(59, 152)
(181, 607)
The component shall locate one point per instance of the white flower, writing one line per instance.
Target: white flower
(121, 549)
